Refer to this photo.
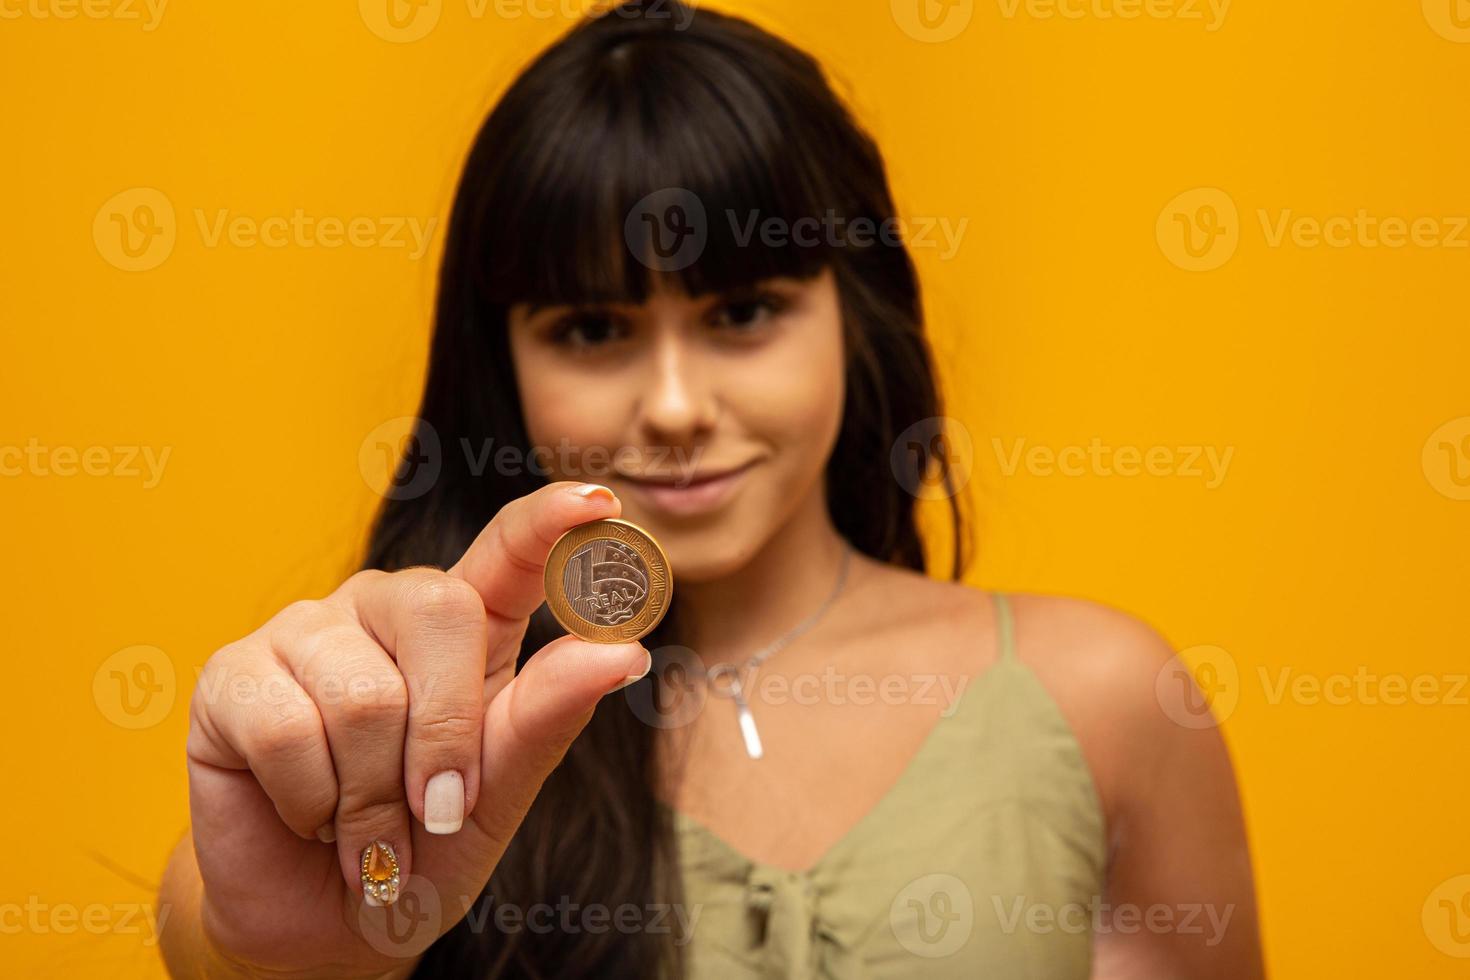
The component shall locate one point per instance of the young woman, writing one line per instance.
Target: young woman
(949, 782)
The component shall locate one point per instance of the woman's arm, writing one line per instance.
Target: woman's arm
(1179, 851)
(1180, 902)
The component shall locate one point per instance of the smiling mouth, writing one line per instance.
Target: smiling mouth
(688, 493)
(675, 481)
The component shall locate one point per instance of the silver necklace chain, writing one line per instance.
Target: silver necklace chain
(728, 674)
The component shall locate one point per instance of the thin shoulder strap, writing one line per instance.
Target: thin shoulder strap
(1005, 629)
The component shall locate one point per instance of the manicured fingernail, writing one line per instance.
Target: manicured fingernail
(444, 803)
(326, 834)
(594, 489)
(379, 874)
(634, 678)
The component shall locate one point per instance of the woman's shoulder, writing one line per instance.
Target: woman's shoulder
(1090, 656)
(1113, 678)
(1110, 675)
(1078, 641)
(1088, 640)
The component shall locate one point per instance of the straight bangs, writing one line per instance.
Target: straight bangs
(663, 162)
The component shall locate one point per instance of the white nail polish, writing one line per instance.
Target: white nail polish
(444, 803)
(588, 489)
(326, 834)
(634, 678)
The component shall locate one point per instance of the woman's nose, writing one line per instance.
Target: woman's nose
(678, 402)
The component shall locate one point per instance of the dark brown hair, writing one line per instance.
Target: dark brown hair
(708, 111)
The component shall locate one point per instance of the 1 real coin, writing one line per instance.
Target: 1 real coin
(608, 581)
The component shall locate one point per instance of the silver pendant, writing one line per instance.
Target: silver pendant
(733, 690)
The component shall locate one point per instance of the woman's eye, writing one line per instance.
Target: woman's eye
(744, 312)
(583, 330)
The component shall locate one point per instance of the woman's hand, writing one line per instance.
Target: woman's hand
(388, 711)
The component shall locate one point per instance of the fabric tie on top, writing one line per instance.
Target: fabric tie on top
(789, 902)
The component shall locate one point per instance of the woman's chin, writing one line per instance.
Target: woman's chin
(701, 556)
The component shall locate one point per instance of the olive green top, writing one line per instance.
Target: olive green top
(985, 859)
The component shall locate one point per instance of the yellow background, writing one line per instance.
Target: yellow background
(1335, 544)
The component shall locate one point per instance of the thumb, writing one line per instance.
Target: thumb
(534, 719)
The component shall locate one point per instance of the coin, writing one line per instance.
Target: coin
(608, 581)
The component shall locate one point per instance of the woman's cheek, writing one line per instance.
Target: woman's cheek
(562, 424)
(795, 402)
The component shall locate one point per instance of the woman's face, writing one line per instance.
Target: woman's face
(712, 417)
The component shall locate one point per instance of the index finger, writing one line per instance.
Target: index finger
(506, 561)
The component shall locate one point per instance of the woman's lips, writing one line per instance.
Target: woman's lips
(688, 496)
